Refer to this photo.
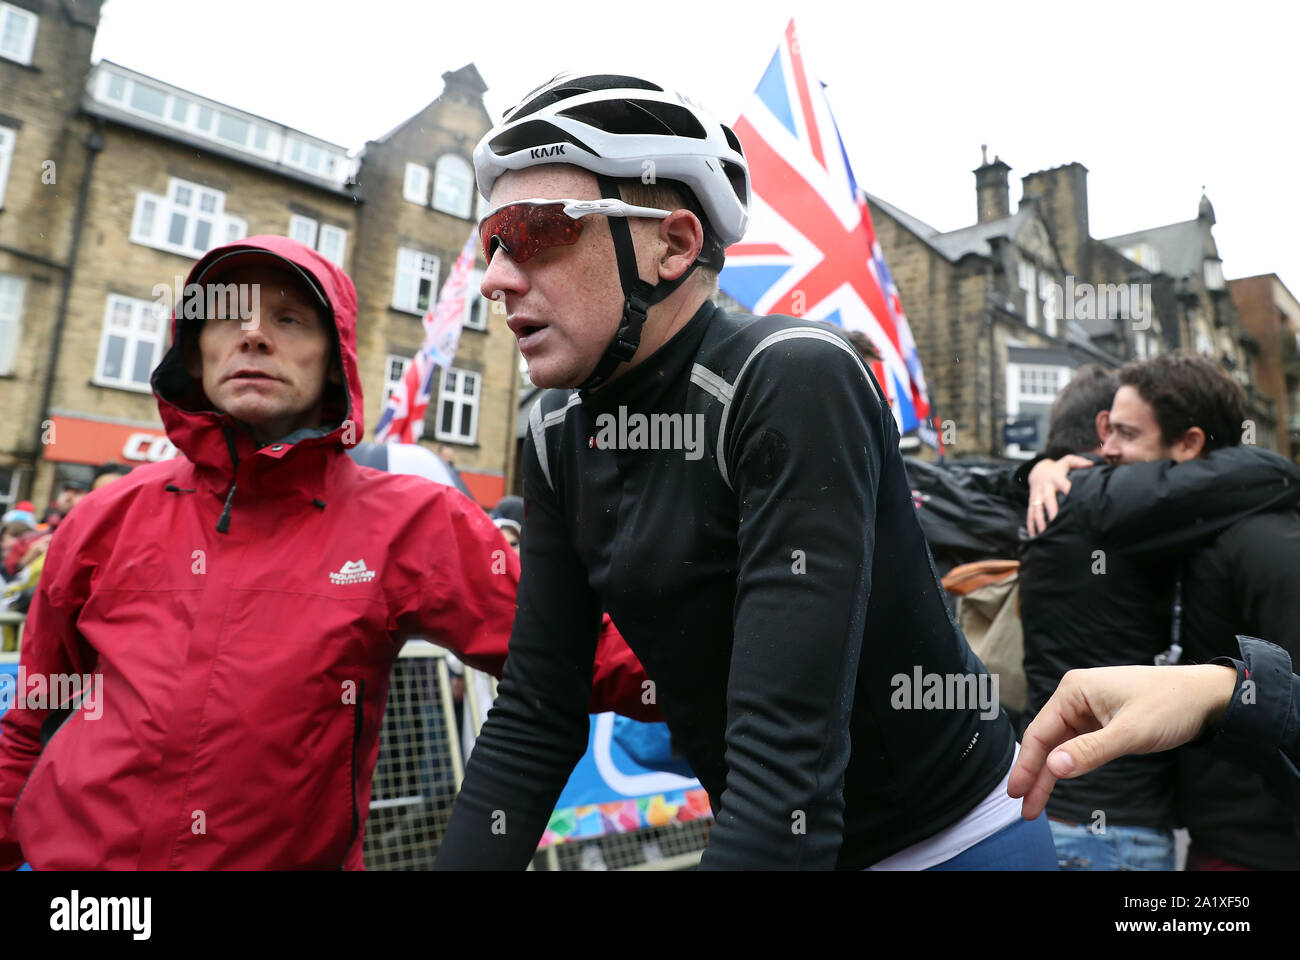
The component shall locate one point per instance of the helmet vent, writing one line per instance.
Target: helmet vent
(638, 118)
(568, 87)
(739, 182)
(732, 140)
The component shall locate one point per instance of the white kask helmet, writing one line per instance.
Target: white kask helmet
(617, 126)
(623, 128)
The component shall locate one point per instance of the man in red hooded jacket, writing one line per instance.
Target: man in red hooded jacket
(240, 608)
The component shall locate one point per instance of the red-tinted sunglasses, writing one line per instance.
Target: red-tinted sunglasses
(527, 227)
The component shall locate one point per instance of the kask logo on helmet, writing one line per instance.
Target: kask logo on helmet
(554, 150)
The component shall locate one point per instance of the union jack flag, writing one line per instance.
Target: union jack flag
(811, 250)
(403, 418)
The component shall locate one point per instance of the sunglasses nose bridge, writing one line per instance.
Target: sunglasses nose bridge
(503, 275)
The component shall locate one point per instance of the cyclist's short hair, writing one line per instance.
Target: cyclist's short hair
(1186, 391)
(670, 195)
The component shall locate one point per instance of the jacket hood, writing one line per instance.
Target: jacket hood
(213, 440)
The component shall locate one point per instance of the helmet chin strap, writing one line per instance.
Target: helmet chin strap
(638, 295)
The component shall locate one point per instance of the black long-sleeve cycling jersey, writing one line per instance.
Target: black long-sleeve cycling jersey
(754, 538)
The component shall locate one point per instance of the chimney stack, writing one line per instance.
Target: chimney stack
(992, 194)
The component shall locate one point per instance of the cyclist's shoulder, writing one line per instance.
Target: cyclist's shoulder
(740, 340)
(549, 407)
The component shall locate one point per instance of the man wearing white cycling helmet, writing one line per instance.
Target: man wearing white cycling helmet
(729, 488)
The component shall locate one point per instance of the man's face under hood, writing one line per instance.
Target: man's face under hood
(269, 370)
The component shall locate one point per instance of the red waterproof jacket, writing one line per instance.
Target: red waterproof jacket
(243, 675)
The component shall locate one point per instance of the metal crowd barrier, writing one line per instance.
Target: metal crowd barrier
(406, 825)
(11, 635)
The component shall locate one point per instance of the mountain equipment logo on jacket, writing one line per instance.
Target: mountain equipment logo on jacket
(354, 571)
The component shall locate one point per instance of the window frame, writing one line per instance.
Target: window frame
(1025, 275)
(16, 319)
(8, 146)
(330, 159)
(458, 400)
(1015, 397)
(129, 354)
(1048, 292)
(236, 229)
(476, 305)
(34, 25)
(275, 140)
(1212, 273)
(10, 497)
(166, 207)
(446, 162)
(1041, 369)
(422, 195)
(389, 384)
(1144, 255)
(297, 218)
(342, 234)
(414, 306)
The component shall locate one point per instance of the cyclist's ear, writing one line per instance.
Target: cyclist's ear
(682, 237)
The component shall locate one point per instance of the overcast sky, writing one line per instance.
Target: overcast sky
(1155, 98)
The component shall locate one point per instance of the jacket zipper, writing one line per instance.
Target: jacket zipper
(223, 524)
(358, 724)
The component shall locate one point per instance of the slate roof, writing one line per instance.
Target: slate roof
(1181, 247)
(956, 244)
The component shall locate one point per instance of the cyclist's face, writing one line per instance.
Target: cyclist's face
(563, 304)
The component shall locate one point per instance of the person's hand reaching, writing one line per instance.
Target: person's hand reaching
(1099, 714)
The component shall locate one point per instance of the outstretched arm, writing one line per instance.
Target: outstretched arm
(1245, 710)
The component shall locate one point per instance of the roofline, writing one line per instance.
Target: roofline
(92, 105)
(886, 207)
(163, 132)
(221, 103)
(1276, 279)
(384, 138)
(1136, 233)
(991, 256)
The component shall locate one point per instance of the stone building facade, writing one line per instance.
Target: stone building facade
(985, 306)
(44, 158)
(144, 178)
(1270, 313)
(1004, 311)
